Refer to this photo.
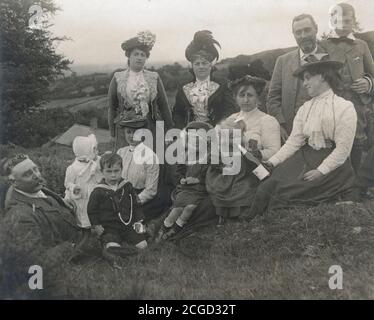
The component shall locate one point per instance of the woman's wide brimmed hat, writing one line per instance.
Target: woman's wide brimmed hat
(196, 125)
(203, 44)
(144, 40)
(131, 119)
(324, 63)
(134, 123)
(241, 74)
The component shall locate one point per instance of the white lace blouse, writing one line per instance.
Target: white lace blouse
(325, 117)
(263, 128)
(198, 94)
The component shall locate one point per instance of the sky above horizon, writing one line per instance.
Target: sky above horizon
(98, 27)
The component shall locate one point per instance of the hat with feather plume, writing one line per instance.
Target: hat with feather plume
(203, 45)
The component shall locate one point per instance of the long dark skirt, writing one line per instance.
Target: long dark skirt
(232, 191)
(286, 188)
(156, 207)
(365, 175)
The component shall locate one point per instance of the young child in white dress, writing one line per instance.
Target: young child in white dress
(82, 176)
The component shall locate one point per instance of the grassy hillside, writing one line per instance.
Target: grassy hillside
(283, 255)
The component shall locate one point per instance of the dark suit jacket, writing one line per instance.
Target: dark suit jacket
(359, 61)
(221, 104)
(40, 231)
(284, 87)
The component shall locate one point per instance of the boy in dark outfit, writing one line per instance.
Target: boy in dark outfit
(115, 206)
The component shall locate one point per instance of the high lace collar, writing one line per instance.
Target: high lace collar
(324, 95)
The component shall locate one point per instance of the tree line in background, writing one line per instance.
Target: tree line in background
(79, 86)
(29, 63)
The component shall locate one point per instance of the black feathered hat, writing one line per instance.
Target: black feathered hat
(203, 44)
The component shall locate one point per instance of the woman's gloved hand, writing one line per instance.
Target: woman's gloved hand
(268, 166)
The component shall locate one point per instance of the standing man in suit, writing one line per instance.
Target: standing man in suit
(286, 92)
(357, 72)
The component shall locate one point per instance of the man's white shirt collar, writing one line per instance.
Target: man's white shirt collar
(304, 55)
(36, 195)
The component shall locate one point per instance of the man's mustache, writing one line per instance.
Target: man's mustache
(41, 181)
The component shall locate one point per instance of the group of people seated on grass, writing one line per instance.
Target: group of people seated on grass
(305, 151)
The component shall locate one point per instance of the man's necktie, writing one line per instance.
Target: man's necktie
(309, 58)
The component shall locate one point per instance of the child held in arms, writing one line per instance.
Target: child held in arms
(115, 205)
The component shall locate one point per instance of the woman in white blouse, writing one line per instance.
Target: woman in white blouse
(262, 131)
(141, 167)
(313, 166)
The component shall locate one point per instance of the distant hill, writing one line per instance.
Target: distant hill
(269, 57)
(82, 69)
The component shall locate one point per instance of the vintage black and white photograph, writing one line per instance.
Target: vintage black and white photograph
(186, 150)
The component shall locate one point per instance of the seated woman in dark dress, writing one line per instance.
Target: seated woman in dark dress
(313, 166)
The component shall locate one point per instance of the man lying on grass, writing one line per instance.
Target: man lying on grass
(38, 228)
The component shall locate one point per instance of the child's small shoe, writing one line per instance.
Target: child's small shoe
(221, 221)
(161, 233)
(115, 249)
(172, 231)
(151, 231)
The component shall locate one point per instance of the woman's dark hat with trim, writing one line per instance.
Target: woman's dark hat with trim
(144, 40)
(325, 62)
(196, 125)
(241, 74)
(203, 44)
(132, 120)
(134, 123)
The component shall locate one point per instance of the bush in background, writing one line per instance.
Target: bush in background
(40, 126)
(84, 116)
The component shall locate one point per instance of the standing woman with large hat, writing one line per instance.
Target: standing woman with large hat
(136, 93)
(206, 98)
